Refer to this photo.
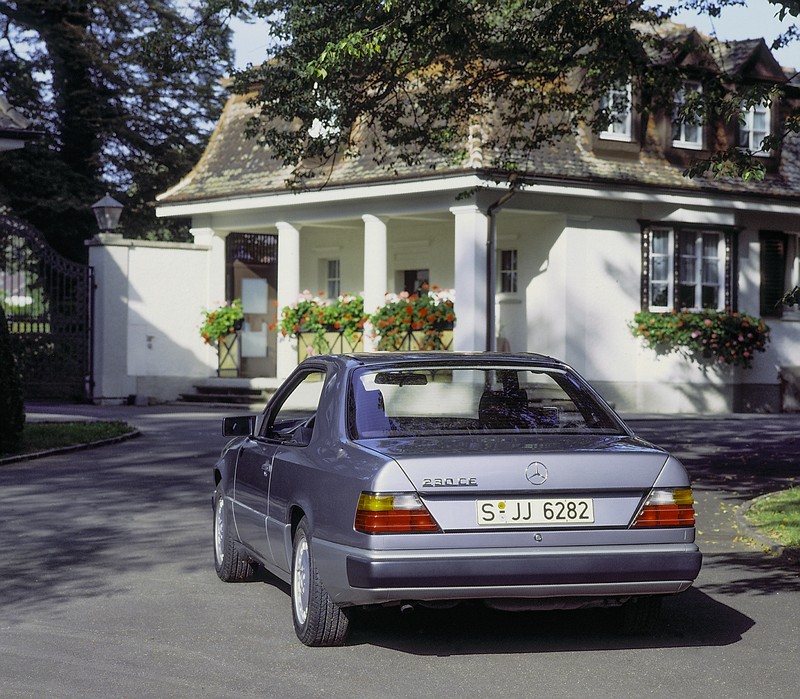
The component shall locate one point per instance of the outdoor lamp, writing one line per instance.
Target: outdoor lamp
(107, 212)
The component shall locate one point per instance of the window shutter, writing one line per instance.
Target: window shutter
(773, 271)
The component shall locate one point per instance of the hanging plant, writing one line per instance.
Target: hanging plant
(427, 314)
(728, 337)
(221, 322)
(316, 315)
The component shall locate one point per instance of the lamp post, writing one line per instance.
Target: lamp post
(107, 212)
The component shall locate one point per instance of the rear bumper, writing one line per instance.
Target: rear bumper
(356, 576)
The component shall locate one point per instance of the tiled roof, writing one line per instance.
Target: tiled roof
(233, 166)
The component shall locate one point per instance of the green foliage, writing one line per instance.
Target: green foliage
(729, 338)
(316, 315)
(407, 80)
(403, 82)
(12, 408)
(221, 322)
(124, 92)
(428, 314)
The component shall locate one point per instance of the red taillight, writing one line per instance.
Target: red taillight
(393, 513)
(667, 508)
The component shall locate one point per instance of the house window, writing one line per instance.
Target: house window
(334, 282)
(618, 104)
(687, 269)
(773, 272)
(508, 271)
(755, 127)
(686, 131)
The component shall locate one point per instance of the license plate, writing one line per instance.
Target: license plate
(539, 511)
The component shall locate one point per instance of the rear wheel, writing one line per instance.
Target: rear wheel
(230, 562)
(317, 620)
(640, 615)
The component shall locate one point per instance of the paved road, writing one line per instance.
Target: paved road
(108, 590)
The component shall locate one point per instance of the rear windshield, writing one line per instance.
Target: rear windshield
(454, 400)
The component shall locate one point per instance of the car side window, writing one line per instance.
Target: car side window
(294, 418)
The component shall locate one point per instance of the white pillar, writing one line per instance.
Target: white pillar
(207, 237)
(288, 290)
(215, 264)
(375, 276)
(470, 278)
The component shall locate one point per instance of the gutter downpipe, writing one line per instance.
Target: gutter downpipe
(491, 263)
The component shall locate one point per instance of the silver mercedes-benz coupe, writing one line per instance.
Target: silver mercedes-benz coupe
(432, 477)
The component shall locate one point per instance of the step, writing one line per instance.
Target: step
(232, 391)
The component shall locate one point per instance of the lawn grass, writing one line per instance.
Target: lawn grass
(40, 436)
(778, 516)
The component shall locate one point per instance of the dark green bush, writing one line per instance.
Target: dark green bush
(12, 407)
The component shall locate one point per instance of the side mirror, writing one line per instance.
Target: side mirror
(238, 426)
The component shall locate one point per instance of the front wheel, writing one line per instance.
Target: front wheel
(231, 564)
(318, 621)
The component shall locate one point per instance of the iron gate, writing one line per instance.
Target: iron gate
(48, 302)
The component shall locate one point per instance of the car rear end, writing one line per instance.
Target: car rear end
(509, 482)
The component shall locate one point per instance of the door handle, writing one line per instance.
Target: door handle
(266, 468)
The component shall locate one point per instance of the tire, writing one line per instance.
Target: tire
(640, 615)
(317, 620)
(230, 562)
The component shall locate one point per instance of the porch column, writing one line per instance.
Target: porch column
(288, 290)
(215, 267)
(375, 277)
(470, 278)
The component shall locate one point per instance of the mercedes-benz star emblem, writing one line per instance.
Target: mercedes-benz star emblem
(536, 473)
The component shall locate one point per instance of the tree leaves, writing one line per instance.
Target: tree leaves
(126, 91)
(406, 83)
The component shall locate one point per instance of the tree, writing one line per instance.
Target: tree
(126, 92)
(12, 408)
(407, 82)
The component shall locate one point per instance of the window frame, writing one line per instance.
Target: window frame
(626, 135)
(302, 411)
(681, 125)
(508, 276)
(747, 137)
(726, 267)
(333, 279)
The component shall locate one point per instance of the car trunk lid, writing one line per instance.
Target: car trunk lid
(522, 482)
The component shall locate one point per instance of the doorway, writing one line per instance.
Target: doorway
(251, 274)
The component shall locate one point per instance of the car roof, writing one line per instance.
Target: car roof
(383, 359)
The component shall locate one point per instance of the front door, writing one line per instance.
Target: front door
(252, 275)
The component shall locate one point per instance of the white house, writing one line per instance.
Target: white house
(581, 246)
(15, 129)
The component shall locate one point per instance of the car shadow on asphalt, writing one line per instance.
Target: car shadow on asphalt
(691, 619)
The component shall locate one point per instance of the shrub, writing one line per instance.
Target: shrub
(727, 337)
(12, 406)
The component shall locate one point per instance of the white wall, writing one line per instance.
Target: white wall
(148, 305)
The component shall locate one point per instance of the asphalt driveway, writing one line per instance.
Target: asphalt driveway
(107, 589)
